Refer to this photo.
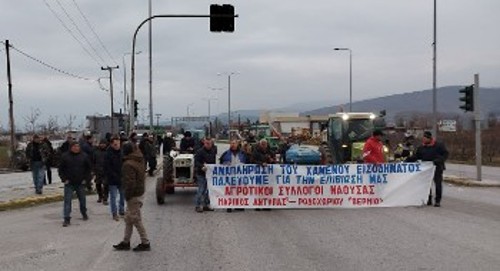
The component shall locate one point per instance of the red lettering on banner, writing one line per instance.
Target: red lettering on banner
(320, 201)
(248, 191)
(270, 201)
(365, 201)
(232, 201)
(302, 190)
(352, 189)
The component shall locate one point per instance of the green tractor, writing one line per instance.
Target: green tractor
(346, 136)
(265, 131)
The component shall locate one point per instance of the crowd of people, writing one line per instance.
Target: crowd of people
(117, 165)
(430, 150)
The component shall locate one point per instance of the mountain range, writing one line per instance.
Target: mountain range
(448, 103)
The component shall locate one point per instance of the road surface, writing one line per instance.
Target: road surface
(461, 235)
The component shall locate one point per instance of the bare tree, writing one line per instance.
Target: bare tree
(32, 119)
(51, 126)
(70, 120)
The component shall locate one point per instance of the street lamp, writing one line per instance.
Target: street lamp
(125, 80)
(350, 74)
(209, 114)
(187, 108)
(228, 96)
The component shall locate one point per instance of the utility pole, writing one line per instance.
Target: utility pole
(11, 104)
(477, 120)
(434, 75)
(110, 69)
(150, 69)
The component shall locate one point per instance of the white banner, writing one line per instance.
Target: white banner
(319, 186)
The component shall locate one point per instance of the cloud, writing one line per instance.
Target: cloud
(282, 49)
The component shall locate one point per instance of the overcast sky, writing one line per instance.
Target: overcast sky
(281, 48)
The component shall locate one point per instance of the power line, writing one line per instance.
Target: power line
(71, 32)
(48, 65)
(79, 30)
(93, 31)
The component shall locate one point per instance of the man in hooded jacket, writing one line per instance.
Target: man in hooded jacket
(133, 178)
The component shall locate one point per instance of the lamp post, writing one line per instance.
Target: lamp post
(187, 108)
(125, 81)
(434, 76)
(350, 74)
(229, 74)
(158, 115)
(209, 115)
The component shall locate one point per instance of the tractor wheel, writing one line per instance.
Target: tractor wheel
(160, 192)
(168, 172)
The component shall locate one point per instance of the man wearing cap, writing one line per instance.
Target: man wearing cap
(75, 167)
(434, 151)
(373, 151)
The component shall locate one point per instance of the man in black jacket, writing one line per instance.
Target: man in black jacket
(168, 143)
(434, 151)
(101, 184)
(113, 171)
(204, 156)
(74, 168)
(187, 143)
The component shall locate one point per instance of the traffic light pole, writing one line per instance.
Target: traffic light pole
(132, 69)
(477, 120)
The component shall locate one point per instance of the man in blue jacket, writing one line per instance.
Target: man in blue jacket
(233, 156)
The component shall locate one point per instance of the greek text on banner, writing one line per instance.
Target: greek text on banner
(315, 186)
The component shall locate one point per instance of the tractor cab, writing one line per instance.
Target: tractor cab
(346, 136)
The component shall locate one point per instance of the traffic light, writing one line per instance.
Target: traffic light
(224, 23)
(136, 106)
(468, 98)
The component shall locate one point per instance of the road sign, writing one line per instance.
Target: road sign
(447, 126)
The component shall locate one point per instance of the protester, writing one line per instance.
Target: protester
(406, 148)
(65, 145)
(86, 146)
(74, 168)
(168, 143)
(37, 154)
(233, 156)
(49, 160)
(133, 138)
(434, 151)
(187, 143)
(101, 183)
(113, 168)
(204, 156)
(133, 178)
(151, 155)
(373, 151)
(262, 155)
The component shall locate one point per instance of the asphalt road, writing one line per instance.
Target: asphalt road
(461, 235)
